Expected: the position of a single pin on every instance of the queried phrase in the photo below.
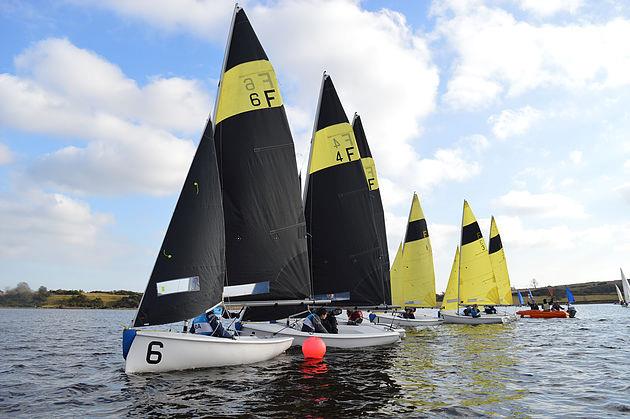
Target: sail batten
(264, 220)
(347, 256)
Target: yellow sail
(450, 296)
(477, 284)
(499, 265)
(396, 279)
(417, 276)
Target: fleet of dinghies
(244, 236)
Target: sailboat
(619, 295)
(626, 289)
(413, 278)
(346, 255)
(499, 265)
(187, 279)
(476, 283)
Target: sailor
(490, 310)
(545, 305)
(408, 314)
(556, 306)
(474, 311)
(355, 316)
(467, 311)
(207, 324)
(330, 321)
(313, 322)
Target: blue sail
(530, 293)
(520, 298)
(570, 296)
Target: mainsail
(477, 284)
(265, 230)
(345, 251)
(450, 300)
(499, 265)
(188, 274)
(371, 177)
(621, 300)
(416, 278)
(625, 287)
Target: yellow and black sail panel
(499, 265)
(264, 219)
(333, 141)
(369, 167)
(348, 255)
(477, 284)
(450, 300)
(417, 265)
(248, 82)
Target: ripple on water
(529, 368)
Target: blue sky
(519, 106)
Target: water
(68, 363)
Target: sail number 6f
(269, 92)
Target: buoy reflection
(313, 367)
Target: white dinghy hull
(348, 336)
(155, 351)
(419, 321)
(454, 318)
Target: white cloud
(129, 131)
(43, 226)
(546, 205)
(498, 55)
(446, 164)
(476, 142)
(624, 191)
(546, 8)
(6, 156)
(510, 122)
(576, 157)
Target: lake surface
(69, 363)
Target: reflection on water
(533, 367)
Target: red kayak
(539, 314)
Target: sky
(521, 107)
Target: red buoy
(314, 347)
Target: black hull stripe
(416, 230)
(495, 244)
(471, 233)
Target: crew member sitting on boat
(474, 311)
(556, 306)
(545, 305)
(207, 324)
(408, 314)
(533, 305)
(490, 310)
(313, 322)
(355, 316)
(330, 321)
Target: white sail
(625, 287)
(619, 294)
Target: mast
(266, 250)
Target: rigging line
(288, 325)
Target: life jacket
(206, 324)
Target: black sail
(189, 271)
(344, 246)
(264, 220)
(378, 215)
